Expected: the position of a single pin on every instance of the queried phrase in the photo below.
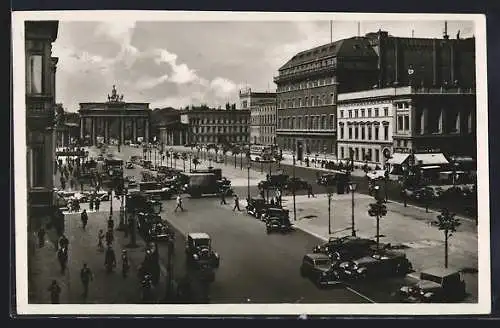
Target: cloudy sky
(181, 63)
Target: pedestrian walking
(81, 184)
(179, 204)
(109, 237)
(278, 196)
(86, 277)
(125, 263)
(236, 203)
(41, 237)
(110, 259)
(223, 197)
(55, 291)
(91, 203)
(84, 218)
(100, 237)
(310, 191)
(63, 182)
(97, 203)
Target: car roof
(199, 235)
(366, 259)
(317, 256)
(440, 272)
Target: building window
(377, 155)
(342, 133)
(38, 166)
(356, 132)
(362, 112)
(341, 152)
(355, 113)
(369, 155)
(357, 153)
(386, 132)
(369, 127)
(332, 122)
(407, 123)
(376, 133)
(362, 133)
(376, 112)
(332, 99)
(323, 122)
(350, 132)
(386, 111)
(35, 74)
(369, 112)
(341, 113)
(300, 102)
(350, 114)
(400, 122)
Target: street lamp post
(190, 162)
(248, 181)
(352, 187)
(171, 157)
(241, 160)
(293, 189)
(329, 212)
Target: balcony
(302, 74)
(40, 111)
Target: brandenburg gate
(114, 119)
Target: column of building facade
(134, 129)
(423, 121)
(92, 134)
(121, 130)
(82, 126)
(146, 129)
(106, 132)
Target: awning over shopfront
(398, 158)
(431, 159)
(432, 167)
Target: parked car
(377, 265)
(297, 184)
(436, 285)
(376, 175)
(199, 251)
(256, 207)
(275, 212)
(320, 269)
(129, 165)
(153, 228)
(278, 224)
(346, 248)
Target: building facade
(262, 115)
(215, 126)
(378, 124)
(307, 85)
(40, 116)
(366, 125)
(114, 119)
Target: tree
(426, 195)
(236, 152)
(378, 210)
(176, 157)
(225, 150)
(184, 158)
(448, 223)
(196, 162)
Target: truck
(155, 190)
(198, 184)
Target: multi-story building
(262, 106)
(365, 125)
(218, 126)
(40, 116)
(378, 125)
(307, 84)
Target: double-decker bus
(261, 153)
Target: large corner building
(262, 107)
(309, 84)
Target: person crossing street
(236, 203)
(179, 204)
(84, 218)
(55, 292)
(100, 238)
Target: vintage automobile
(275, 212)
(129, 165)
(256, 207)
(278, 223)
(153, 228)
(376, 265)
(436, 285)
(199, 251)
(320, 269)
(297, 183)
(346, 248)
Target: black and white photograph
(250, 163)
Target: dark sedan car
(346, 248)
(320, 269)
(377, 265)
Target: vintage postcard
(250, 163)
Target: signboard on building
(184, 119)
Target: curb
(430, 210)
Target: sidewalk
(423, 243)
(105, 288)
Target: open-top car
(436, 285)
(199, 251)
(278, 223)
(346, 248)
(153, 228)
(377, 265)
(320, 269)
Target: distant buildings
(311, 82)
(40, 117)
(262, 106)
